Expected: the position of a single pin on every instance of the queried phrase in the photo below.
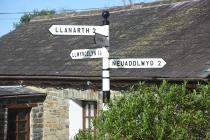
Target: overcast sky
(12, 7)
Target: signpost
(137, 63)
(78, 30)
(89, 53)
(105, 61)
(101, 34)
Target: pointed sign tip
(164, 62)
(51, 29)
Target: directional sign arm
(137, 63)
(78, 30)
(89, 53)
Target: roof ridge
(116, 9)
(95, 12)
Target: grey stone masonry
(89, 94)
(36, 122)
(56, 122)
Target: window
(89, 116)
(18, 124)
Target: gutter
(117, 83)
(97, 78)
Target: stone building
(46, 95)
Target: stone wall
(36, 122)
(55, 117)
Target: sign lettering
(89, 53)
(78, 30)
(137, 63)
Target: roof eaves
(14, 92)
(96, 78)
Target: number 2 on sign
(94, 30)
(159, 63)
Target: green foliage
(83, 135)
(169, 112)
(27, 17)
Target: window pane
(92, 110)
(21, 115)
(86, 110)
(21, 126)
(89, 116)
(21, 136)
(92, 123)
(86, 123)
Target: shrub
(28, 16)
(168, 111)
(83, 135)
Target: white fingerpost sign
(89, 53)
(137, 63)
(78, 30)
(101, 34)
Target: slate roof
(178, 32)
